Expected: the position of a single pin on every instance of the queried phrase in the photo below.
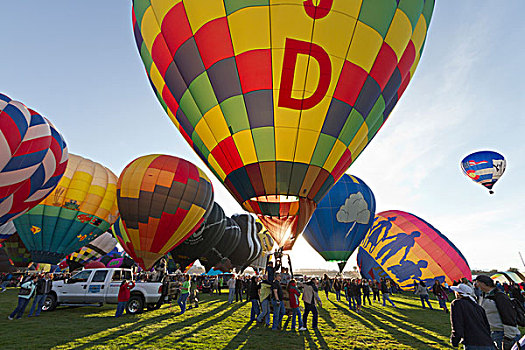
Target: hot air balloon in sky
(484, 167)
(203, 240)
(409, 249)
(162, 200)
(279, 98)
(80, 208)
(33, 158)
(341, 219)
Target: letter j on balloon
(279, 98)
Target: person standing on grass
(265, 293)
(294, 294)
(193, 297)
(43, 287)
(441, 294)
(27, 289)
(357, 295)
(124, 294)
(365, 287)
(337, 288)
(278, 302)
(375, 290)
(238, 289)
(231, 289)
(500, 312)
(184, 293)
(253, 294)
(326, 285)
(385, 290)
(421, 290)
(468, 321)
(310, 298)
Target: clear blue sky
(77, 64)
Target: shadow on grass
(355, 316)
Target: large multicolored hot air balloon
(409, 249)
(33, 158)
(368, 267)
(484, 167)
(279, 98)
(97, 248)
(342, 219)
(162, 200)
(202, 240)
(80, 208)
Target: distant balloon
(226, 246)
(162, 200)
(97, 248)
(17, 251)
(7, 230)
(203, 240)
(484, 167)
(279, 98)
(80, 208)
(409, 249)
(369, 268)
(342, 219)
(33, 158)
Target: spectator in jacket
(468, 321)
(27, 289)
(421, 290)
(310, 298)
(500, 313)
(238, 289)
(326, 285)
(337, 288)
(441, 295)
(43, 287)
(253, 294)
(231, 288)
(375, 290)
(124, 293)
(365, 287)
(265, 294)
(294, 294)
(385, 290)
(278, 302)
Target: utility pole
(523, 262)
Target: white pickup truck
(100, 286)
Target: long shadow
(325, 315)
(311, 342)
(400, 336)
(190, 321)
(362, 320)
(153, 320)
(240, 338)
(321, 340)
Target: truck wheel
(50, 303)
(135, 305)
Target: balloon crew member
(253, 294)
(265, 295)
(468, 321)
(43, 287)
(310, 298)
(500, 312)
(385, 290)
(184, 293)
(124, 294)
(441, 295)
(294, 294)
(278, 302)
(27, 290)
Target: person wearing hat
(468, 321)
(500, 313)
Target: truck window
(100, 276)
(82, 276)
(127, 275)
(116, 276)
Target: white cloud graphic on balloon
(354, 210)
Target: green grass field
(217, 325)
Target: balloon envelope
(33, 158)
(80, 208)
(342, 219)
(409, 249)
(97, 248)
(203, 240)
(17, 251)
(7, 230)
(162, 200)
(225, 247)
(368, 267)
(279, 98)
(249, 246)
(484, 167)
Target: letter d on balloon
(292, 49)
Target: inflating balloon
(484, 167)
(17, 251)
(409, 249)
(162, 200)
(342, 219)
(97, 248)
(249, 247)
(7, 230)
(80, 208)
(368, 267)
(279, 98)
(203, 240)
(33, 158)
(226, 246)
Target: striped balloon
(97, 248)
(33, 158)
(7, 230)
(80, 208)
(162, 200)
